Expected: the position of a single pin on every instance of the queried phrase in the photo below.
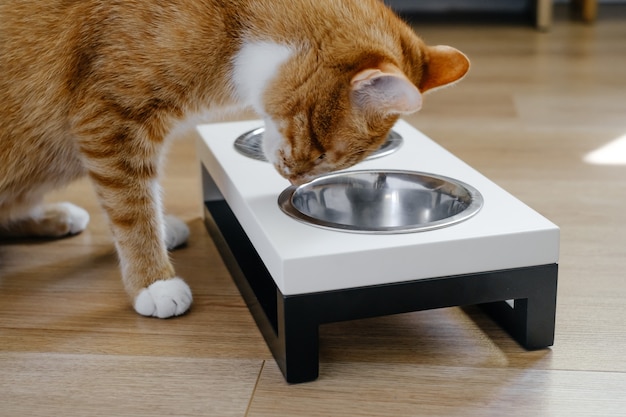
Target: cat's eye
(321, 157)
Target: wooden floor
(532, 110)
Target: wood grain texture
(533, 106)
(405, 390)
(93, 385)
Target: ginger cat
(96, 87)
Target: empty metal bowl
(381, 202)
(250, 144)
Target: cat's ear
(446, 66)
(385, 89)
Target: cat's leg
(46, 220)
(156, 300)
(125, 176)
(142, 237)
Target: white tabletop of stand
(302, 259)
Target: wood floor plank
(101, 385)
(403, 390)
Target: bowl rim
(392, 143)
(285, 202)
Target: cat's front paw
(164, 298)
(176, 232)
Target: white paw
(60, 219)
(176, 232)
(164, 298)
(77, 217)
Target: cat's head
(321, 119)
(327, 107)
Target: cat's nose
(299, 180)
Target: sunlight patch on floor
(613, 153)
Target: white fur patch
(272, 141)
(255, 65)
(176, 232)
(164, 298)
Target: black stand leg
(531, 320)
(290, 333)
(300, 338)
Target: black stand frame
(290, 324)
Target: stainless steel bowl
(250, 144)
(381, 202)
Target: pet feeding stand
(503, 259)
